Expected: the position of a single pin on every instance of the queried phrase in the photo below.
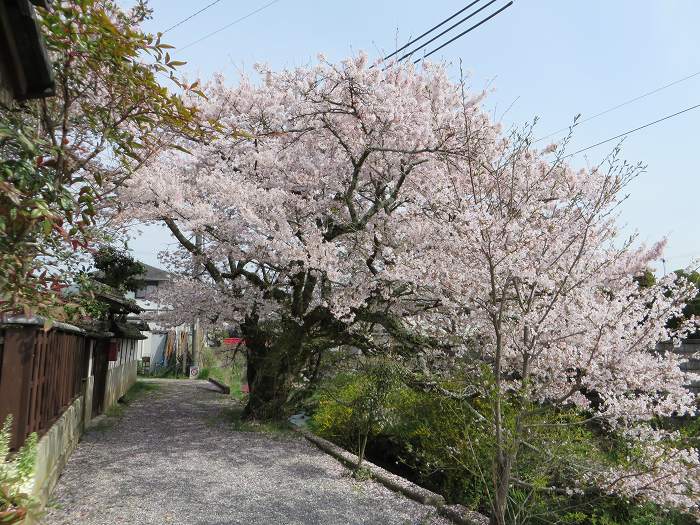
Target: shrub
(16, 477)
(445, 446)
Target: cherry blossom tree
(380, 207)
(296, 203)
(534, 280)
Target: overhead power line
(431, 30)
(465, 32)
(622, 104)
(237, 20)
(446, 31)
(191, 16)
(633, 130)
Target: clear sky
(546, 58)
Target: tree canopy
(62, 158)
(379, 207)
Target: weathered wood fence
(41, 375)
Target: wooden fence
(41, 374)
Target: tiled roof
(154, 274)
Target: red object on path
(233, 340)
(245, 388)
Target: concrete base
(54, 449)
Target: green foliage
(83, 303)
(16, 477)
(62, 158)
(33, 205)
(203, 373)
(360, 405)
(232, 376)
(119, 269)
(606, 510)
(646, 279)
(446, 445)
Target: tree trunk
(501, 475)
(276, 357)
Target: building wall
(153, 347)
(121, 374)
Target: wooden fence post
(17, 359)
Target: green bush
(16, 477)
(444, 444)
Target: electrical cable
(431, 30)
(622, 104)
(445, 31)
(465, 32)
(191, 16)
(633, 130)
(230, 24)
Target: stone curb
(222, 387)
(397, 483)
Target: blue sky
(546, 58)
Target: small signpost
(194, 372)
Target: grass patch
(138, 390)
(103, 425)
(115, 411)
(233, 377)
(233, 417)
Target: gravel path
(172, 459)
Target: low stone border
(456, 513)
(222, 387)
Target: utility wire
(191, 16)
(230, 24)
(633, 130)
(446, 31)
(622, 104)
(431, 30)
(467, 31)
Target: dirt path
(173, 459)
